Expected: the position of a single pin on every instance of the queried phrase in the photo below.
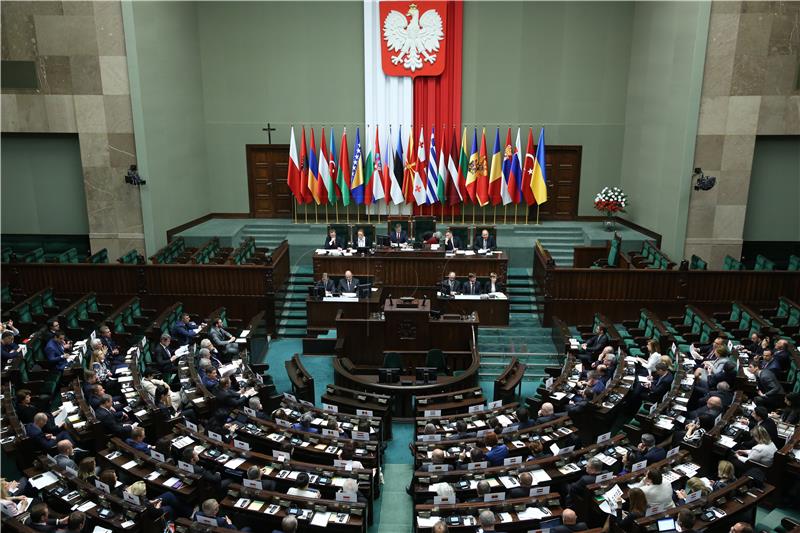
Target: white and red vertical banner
(412, 69)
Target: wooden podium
(407, 325)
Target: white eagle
(415, 38)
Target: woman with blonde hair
(631, 510)
(12, 505)
(667, 360)
(693, 484)
(87, 469)
(98, 365)
(764, 450)
(725, 475)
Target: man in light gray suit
(64, 457)
(223, 341)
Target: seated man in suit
(484, 241)
(595, 345)
(398, 236)
(210, 509)
(451, 242)
(113, 355)
(662, 382)
(569, 521)
(648, 451)
(55, 353)
(493, 285)
(163, 358)
(185, 331)
(451, 285)
(524, 489)
(111, 419)
(136, 440)
(782, 356)
(545, 414)
(65, 453)
(44, 441)
(332, 242)
(349, 283)
(487, 520)
(40, 519)
(770, 390)
(223, 340)
(361, 240)
(471, 286)
(191, 457)
(10, 348)
(228, 399)
(326, 283)
(593, 468)
(288, 525)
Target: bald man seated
(569, 522)
(524, 489)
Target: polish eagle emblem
(415, 40)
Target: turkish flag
(412, 38)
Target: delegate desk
(322, 312)
(411, 268)
(493, 310)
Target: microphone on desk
(390, 299)
(424, 299)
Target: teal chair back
(424, 227)
(462, 234)
(392, 360)
(435, 359)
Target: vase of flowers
(610, 201)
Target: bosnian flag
(433, 175)
(420, 196)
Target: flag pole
(336, 207)
(316, 214)
(305, 213)
(295, 210)
(505, 215)
(495, 215)
(326, 214)
(527, 212)
(537, 214)
(516, 207)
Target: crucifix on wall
(269, 129)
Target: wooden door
(267, 166)
(563, 173)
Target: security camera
(132, 177)
(703, 183)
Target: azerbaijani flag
(343, 178)
(505, 184)
(313, 170)
(538, 178)
(333, 191)
(473, 169)
(357, 172)
(527, 171)
(483, 180)
(324, 178)
(496, 171)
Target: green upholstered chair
(462, 234)
(612, 261)
(732, 264)
(369, 232)
(435, 359)
(343, 231)
(696, 263)
(762, 263)
(423, 228)
(405, 225)
(794, 262)
(392, 360)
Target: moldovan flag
(454, 195)
(473, 168)
(357, 172)
(496, 171)
(409, 169)
(505, 185)
(343, 178)
(305, 193)
(377, 170)
(324, 178)
(483, 180)
(396, 175)
(538, 178)
(527, 171)
(313, 170)
(293, 177)
(420, 196)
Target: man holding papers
(349, 283)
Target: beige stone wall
(79, 49)
(750, 87)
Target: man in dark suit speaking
(349, 283)
(484, 242)
(398, 236)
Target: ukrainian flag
(538, 179)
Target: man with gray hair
(350, 486)
(545, 414)
(439, 527)
(481, 489)
(110, 419)
(648, 451)
(445, 490)
(65, 452)
(288, 525)
(486, 520)
(594, 467)
(163, 358)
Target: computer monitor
(388, 375)
(667, 524)
(364, 290)
(382, 240)
(426, 374)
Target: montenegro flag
(539, 179)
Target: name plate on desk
(495, 404)
(655, 509)
(364, 412)
(641, 465)
(250, 412)
(283, 422)
(673, 451)
(330, 408)
(494, 497)
(360, 435)
(206, 520)
(429, 438)
(346, 497)
(191, 425)
(604, 437)
(540, 491)
(102, 486)
(130, 498)
(604, 477)
(476, 408)
(281, 456)
(474, 466)
(432, 412)
(186, 467)
(252, 484)
(449, 499)
(513, 460)
(329, 432)
(694, 496)
(157, 456)
(241, 445)
(215, 436)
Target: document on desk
(423, 522)
(43, 480)
(86, 506)
(509, 482)
(728, 442)
(320, 518)
(235, 463)
(531, 513)
(129, 465)
(539, 476)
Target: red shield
(412, 38)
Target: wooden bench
(301, 379)
(506, 383)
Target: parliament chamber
(265, 267)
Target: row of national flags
(423, 174)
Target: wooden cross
(269, 129)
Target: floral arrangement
(611, 200)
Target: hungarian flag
(377, 170)
(473, 169)
(527, 171)
(342, 177)
(482, 191)
(496, 172)
(515, 180)
(313, 170)
(396, 177)
(324, 179)
(505, 185)
(454, 195)
(409, 169)
(420, 188)
(357, 172)
(333, 192)
(293, 177)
